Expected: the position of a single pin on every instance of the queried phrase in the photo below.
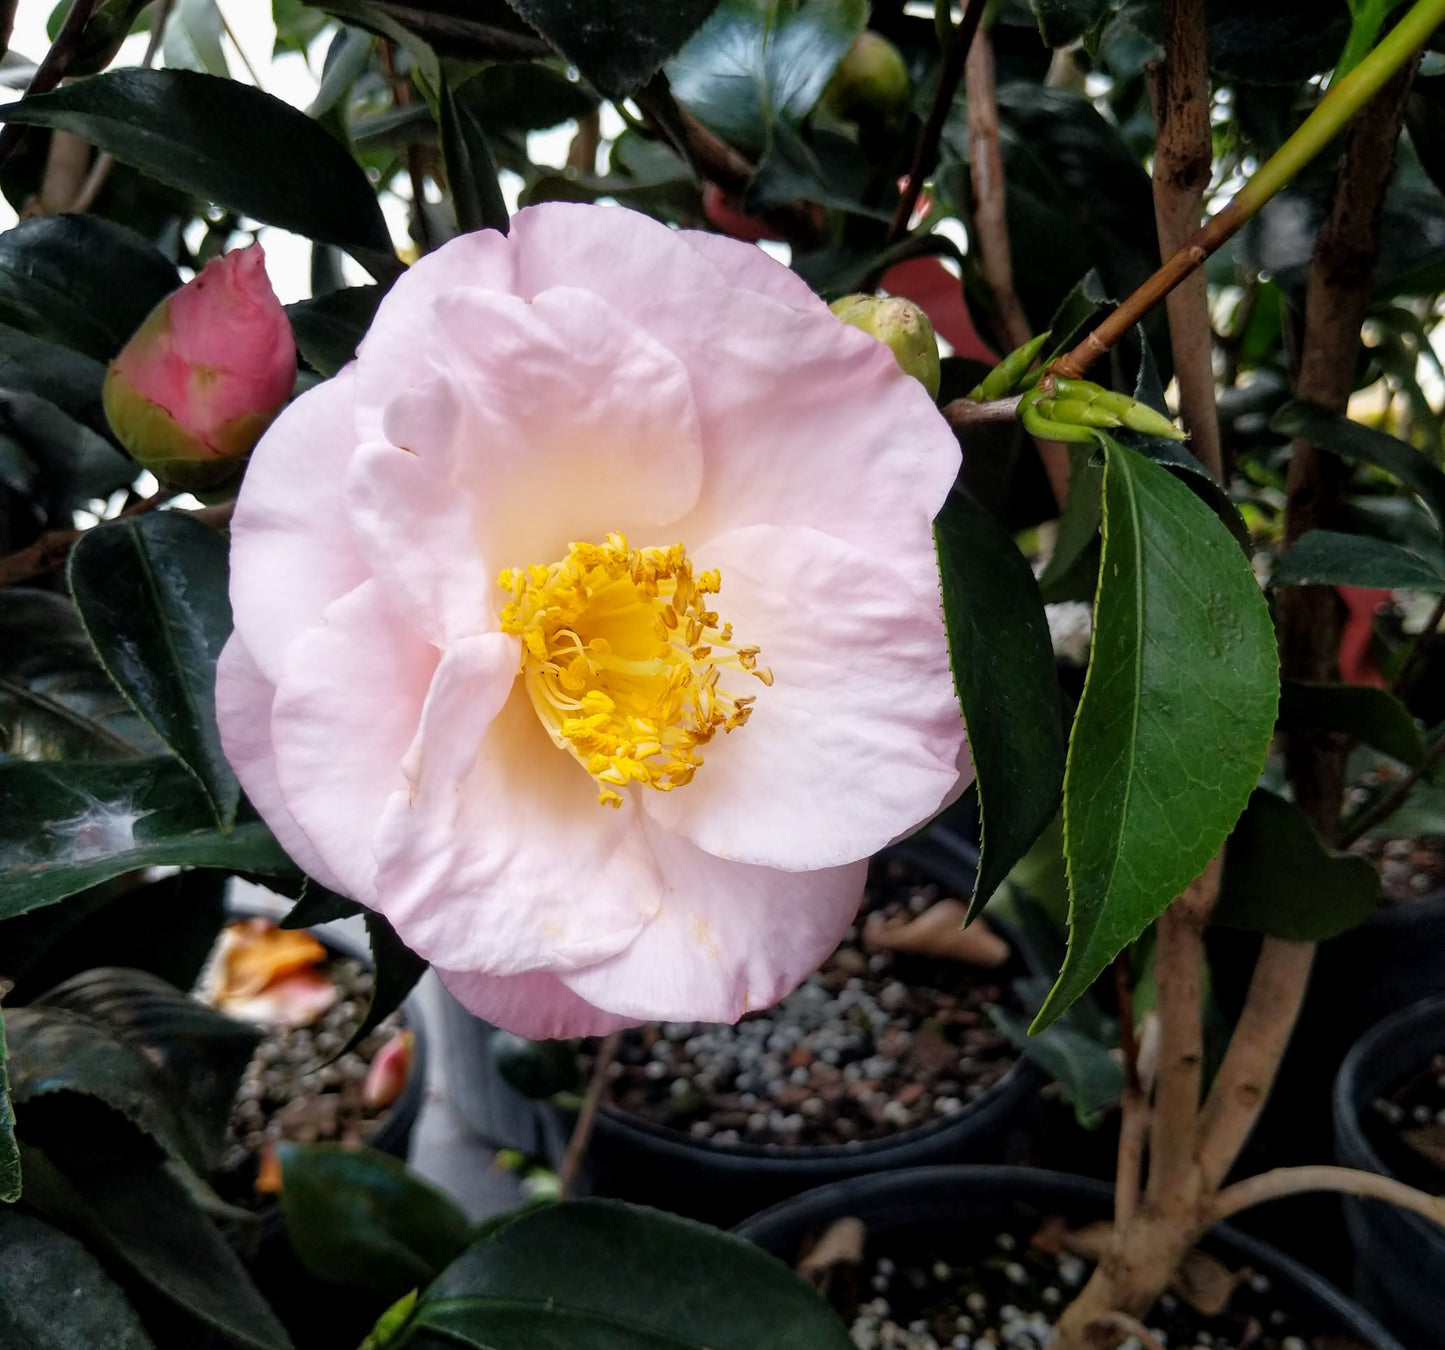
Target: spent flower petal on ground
(588, 624)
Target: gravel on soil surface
(874, 1043)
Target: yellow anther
(623, 661)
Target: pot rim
(955, 860)
(1348, 1126)
(822, 1202)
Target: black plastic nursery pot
(720, 1183)
(1399, 1256)
(319, 1314)
(393, 1133)
(910, 1205)
(1389, 962)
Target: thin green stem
(1334, 110)
(1344, 99)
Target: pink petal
(730, 939)
(243, 708)
(538, 1005)
(346, 710)
(858, 739)
(808, 421)
(748, 267)
(621, 256)
(292, 551)
(497, 857)
(543, 422)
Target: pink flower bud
(205, 374)
(388, 1072)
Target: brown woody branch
(51, 69)
(925, 154)
(1173, 1176)
(990, 228)
(1284, 1181)
(586, 1118)
(1183, 159)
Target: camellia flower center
(623, 660)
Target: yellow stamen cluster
(622, 659)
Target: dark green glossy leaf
(56, 702)
(617, 44)
(1280, 879)
(1078, 199)
(70, 826)
(1072, 570)
(143, 1220)
(317, 905)
(1089, 1076)
(329, 328)
(81, 281)
(152, 594)
(599, 1275)
(9, 1154)
(1176, 716)
(196, 1055)
(537, 1069)
(56, 462)
(54, 1295)
(1371, 716)
(57, 1050)
(756, 61)
(396, 970)
(220, 139)
(192, 38)
(1003, 665)
(1330, 558)
(1365, 445)
(363, 1218)
(1277, 43)
(116, 924)
(54, 373)
(524, 96)
(471, 166)
(1064, 21)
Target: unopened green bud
(901, 327)
(871, 80)
(1004, 378)
(1129, 412)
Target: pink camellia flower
(588, 624)
(205, 374)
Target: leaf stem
(51, 68)
(926, 151)
(1329, 118)
(1382, 809)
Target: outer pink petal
(730, 938)
(346, 710)
(538, 1005)
(858, 739)
(548, 421)
(747, 266)
(497, 857)
(292, 552)
(416, 518)
(243, 708)
(621, 256)
(808, 421)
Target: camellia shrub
(583, 578)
